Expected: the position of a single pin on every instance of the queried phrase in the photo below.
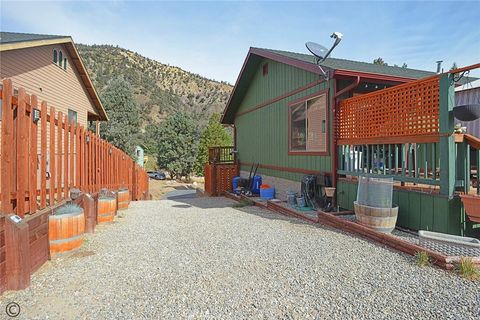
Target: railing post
(447, 142)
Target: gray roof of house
(11, 37)
(343, 64)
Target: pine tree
(123, 127)
(214, 135)
(177, 145)
(380, 62)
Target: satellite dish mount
(321, 53)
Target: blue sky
(212, 38)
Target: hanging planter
(471, 204)
(468, 112)
(65, 229)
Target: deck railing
(222, 155)
(403, 113)
(406, 132)
(44, 155)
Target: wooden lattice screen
(405, 112)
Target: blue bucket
(235, 181)
(267, 194)
(257, 181)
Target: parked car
(156, 175)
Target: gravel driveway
(201, 258)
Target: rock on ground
(201, 258)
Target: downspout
(334, 125)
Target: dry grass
(422, 259)
(158, 188)
(467, 269)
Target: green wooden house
(285, 117)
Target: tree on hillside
(177, 144)
(380, 62)
(123, 128)
(214, 135)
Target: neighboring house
(50, 67)
(140, 156)
(282, 111)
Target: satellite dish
(316, 49)
(322, 53)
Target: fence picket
(59, 156)
(53, 171)
(43, 155)
(33, 156)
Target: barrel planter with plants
(123, 198)
(66, 228)
(107, 208)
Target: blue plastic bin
(257, 181)
(267, 194)
(235, 181)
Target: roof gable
(308, 63)
(15, 41)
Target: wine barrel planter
(123, 199)
(65, 231)
(379, 219)
(107, 208)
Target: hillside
(159, 89)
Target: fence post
(447, 142)
(22, 151)
(17, 258)
(7, 152)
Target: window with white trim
(308, 125)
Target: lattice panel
(410, 109)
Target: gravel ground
(200, 258)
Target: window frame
(55, 56)
(305, 99)
(76, 116)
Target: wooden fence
(44, 155)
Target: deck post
(447, 143)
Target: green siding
(419, 211)
(262, 135)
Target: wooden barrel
(123, 199)
(379, 219)
(65, 231)
(106, 209)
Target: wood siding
(33, 68)
(262, 135)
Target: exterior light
(35, 115)
(87, 139)
(110, 151)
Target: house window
(60, 58)
(265, 69)
(55, 58)
(72, 116)
(64, 63)
(308, 125)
